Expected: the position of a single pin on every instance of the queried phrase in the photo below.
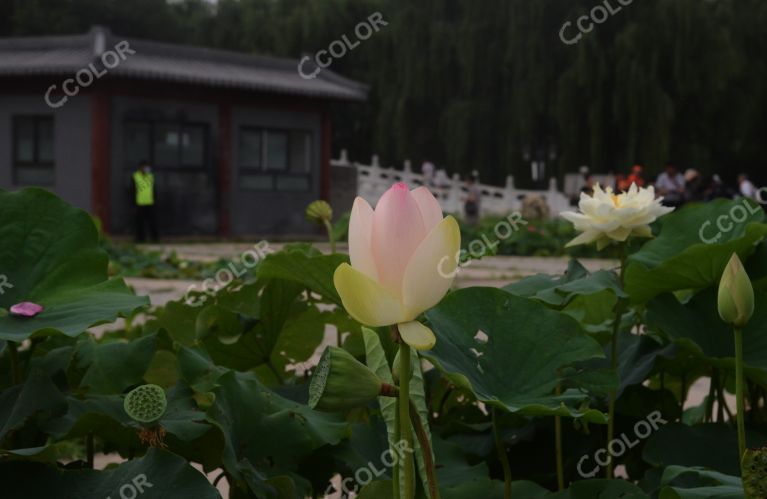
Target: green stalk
(502, 456)
(329, 229)
(406, 432)
(395, 473)
(15, 367)
(89, 449)
(558, 448)
(426, 451)
(614, 364)
(739, 392)
(611, 402)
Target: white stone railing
(373, 180)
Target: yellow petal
(431, 269)
(643, 231)
(417, 335)
(365, 299)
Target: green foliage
(235, 371)
(516, 372)
(50, 256)
(157, 474)
(535, 238)
(687, 254)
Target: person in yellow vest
(143, 185)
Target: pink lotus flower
(402, 261)
(26, 309)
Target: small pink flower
(26, 309)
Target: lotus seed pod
(755, 473)
(319, 212)
(341, 382)
(146, 403)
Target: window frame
(273, 174)
(16, 163)
(154, 124)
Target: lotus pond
(305, 377)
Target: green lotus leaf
(687, 255)
(510, 351)
(50, 255)
(158, 474)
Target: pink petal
(26, 309)
(431, 211)
(360, 236)
(398, 229)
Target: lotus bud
(736, 295)
(319, 212)
(754, 468)
(341, 382)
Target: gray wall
(72, 144)
(252, 212)
(257, 212)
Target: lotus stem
(558, 448)
(395, 473)
(502, 456)
(614, 362)
(423, 440)
(741, 420)
(89, 449)
(331, 239)
(406, 432)
(219, 477)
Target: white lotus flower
(606, 217)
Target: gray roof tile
(65, 55)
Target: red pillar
(101, 134)
(224, 166)
(325, 157)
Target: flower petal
(26, 309)
(417, 335)
(431, 211)
(432, 268)
(398, 229)
(360, 238)
(586, 237)
(366, 300)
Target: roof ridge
(100, 39)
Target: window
(270, 159)
(250, 149)
(165, 144)
(33, 156)
(179, 145)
